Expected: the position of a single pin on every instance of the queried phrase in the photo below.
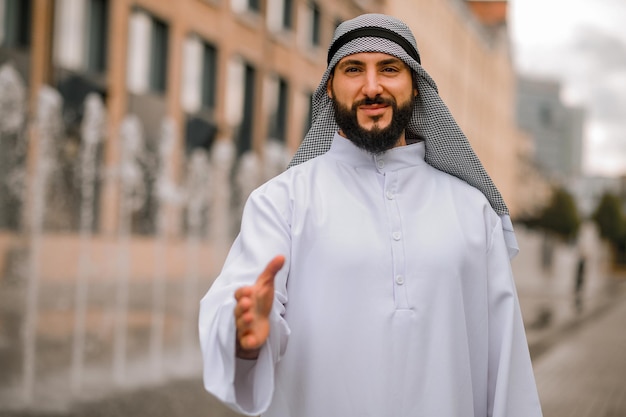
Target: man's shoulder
(290, 176)
(459, 185)
(467, 197)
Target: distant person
(366, 280)
(579, 283)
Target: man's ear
(415, 92)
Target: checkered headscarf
(447, 148)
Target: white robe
(396, 298)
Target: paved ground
(585, 374)
(582, 375)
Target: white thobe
(396, 298)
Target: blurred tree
(560, 216)
(609, 218)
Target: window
(243, 6)
(315, 24)
(147, 54)
(240, 102)
(309, 27)
(280, 15)
(98, 22)
(209, 76)
(198, 90)
(545, 115)
(16, 23)
(288, 14)
(158, 61)
(244, 134)
(80, 35)
(254, 5)
(278, 94)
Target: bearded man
(372, 278)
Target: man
(366, 281)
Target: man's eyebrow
(350, 62)
(390, 61)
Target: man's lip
(373, 108)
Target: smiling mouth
(374, 109)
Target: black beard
(375, 140)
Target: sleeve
(512, 391)
(246, 386)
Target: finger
(249, 341)
(243, 292)
(246, 320)
(272, 268)
(245, 323)
(243, 305)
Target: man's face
(372, 95)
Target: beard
(375, 140)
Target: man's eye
(352, 69)
(390, 69)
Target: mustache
(368, 101)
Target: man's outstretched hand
(254, 304)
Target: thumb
(272, 268)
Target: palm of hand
(254, 305)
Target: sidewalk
(581, 373)
(584, 375)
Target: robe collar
(392, 160)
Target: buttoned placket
(396, 238)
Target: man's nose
(372, 86)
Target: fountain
(132, 198)
(167, 196)
(222, 157)
(275, 160)
(92, 131)
(12, 143)
(72, 315)
(48, 126)
(198, 196)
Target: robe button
(399, 280)
(396, 235)
(389, 195)
(380, 164)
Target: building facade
(557, 129)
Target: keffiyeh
(447, 148)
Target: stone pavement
(584, 375)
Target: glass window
(278, 116)
(315, 25)
(545, 115)
(246, 127)
(209, 76)
(246, 6)
(254, 5)
(158, 59)
(17, 23)
(98, 22)
(287, 14)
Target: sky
(582, 44)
